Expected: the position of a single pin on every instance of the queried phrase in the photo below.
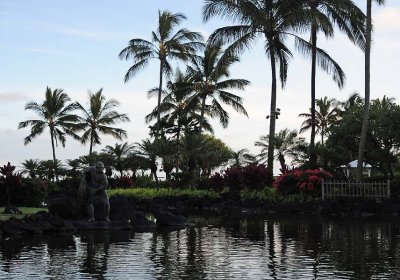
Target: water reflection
(274, 247)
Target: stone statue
(92, 188)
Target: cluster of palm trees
(57, 113)
(191, 97)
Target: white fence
(351, 189)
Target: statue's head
(99, 167)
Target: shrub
(145, 181)
(251, 177)
(124, 182)
(301, 181)
(217, 182)
(256, 176)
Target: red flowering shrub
(233, 178)
(300, 181)
(256, 176)
(251, 177)
(125, 182)
(217, 182)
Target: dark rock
(56, 221)
(69, 226)
(11, 209)
(139, 222)
(12, 227)
(65, 207)
(121, 209)
(168, 219)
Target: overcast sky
(74, 45)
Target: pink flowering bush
(301, 181)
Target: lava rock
(168, 219)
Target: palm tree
(164, 45)
(241, 157)
(364, 128)
(327, 114)
(273, 20)
(56, 114)
(119, 153)
(210, 73)
(148, 151)
(324, 15)
(32, 167)
(179, 109)
(75, 167)
(99, 118)
(286, 144)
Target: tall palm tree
(55, 113)
(364, 128)
(163, 46)
(286, 143)
(210, 78)
(327, 114)
(119, 153)
(274, 20)
(324, 16)
(99, 118)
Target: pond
(272, 247)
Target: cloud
(12, 96)
(387, 19)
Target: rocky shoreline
(65, 214)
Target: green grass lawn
(25, 211)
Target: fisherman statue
(93, 188)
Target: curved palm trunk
(364, 127)
(159, 98)
(272, 119)
(54, 154)
(313, 155)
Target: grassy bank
(149, 193)
(25, 211)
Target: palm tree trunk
(91, 143)
(364, 127)
(159, 98)
(272, 119)
(54, 153)
(313, 155)
(203, 108)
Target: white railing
(337, 188)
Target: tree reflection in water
(231, 247)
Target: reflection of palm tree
(56, 114)
(165, 45)
(208, 73)
(364, 128)
(325, 15)
(273, 20)
(327, 114)
(99, 118)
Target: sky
(74, 45)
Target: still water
(276, 247)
